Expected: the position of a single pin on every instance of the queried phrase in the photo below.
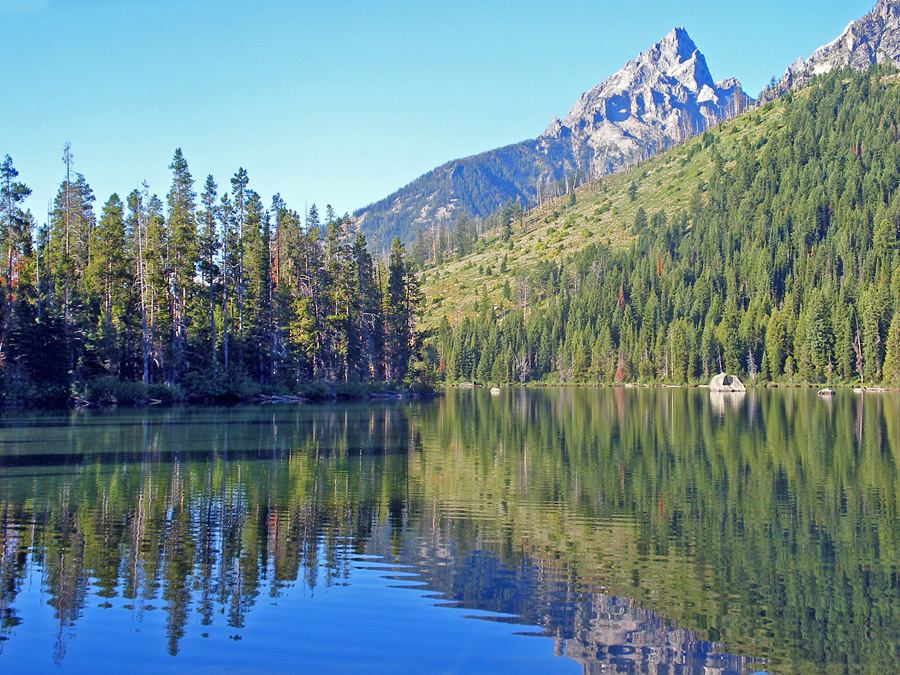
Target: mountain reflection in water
(641, 530)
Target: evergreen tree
(182, 229)
(16, 235)
(401, 299)
(208, 251)
(109, 280)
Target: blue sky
(337, 102)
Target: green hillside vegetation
(600, 212)
(767, 247)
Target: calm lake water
(553, 530)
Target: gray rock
(873, 38)
(723, 383)
(663, 96)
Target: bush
(166, 393)
(240, 387)
(111, 391)
(203, 386)
(20, 391)
(315, 391)
(419, 388)
(350, 391)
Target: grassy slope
(603, 212)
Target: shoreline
(879, 389)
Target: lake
(542, 530)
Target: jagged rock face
(663, 96)
(872, 39)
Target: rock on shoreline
(726, 383)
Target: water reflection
(641, 530)
(721, 401)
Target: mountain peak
(870, 39)
(676, 55)
(678, 42)
(662, 96)
(657, 99)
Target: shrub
(203, 386)
(315, 391)
(111, 391)
(166, 393)
(350, 391)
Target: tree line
(210, 295)
(783, 266)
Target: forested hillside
(210, 297)
(768, 247)
(771, 252)
(524, 172)
(656, 100)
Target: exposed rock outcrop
(656, 100)
(723, 383)
(874, 38)
(663, 96)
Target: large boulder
(726, 383)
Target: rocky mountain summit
(660, 98)
(872, 39)
(663, 96)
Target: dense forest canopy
(211, 295)
(783, 265)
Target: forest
(473, 187)
(782, 266)
(209, 297)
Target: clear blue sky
(337, 102)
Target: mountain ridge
(873, 38)
(658, 99)
(655, 100)
(664, 95)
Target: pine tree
(891, 368)
(158, 272)
(183, 251)
(400, 302)
(208, 250)
(239, 184)
(108, 279)
(229, 265)
(137, 223)
(15, 235)
(12, 220)
(257, 296)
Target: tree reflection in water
(638, 528)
